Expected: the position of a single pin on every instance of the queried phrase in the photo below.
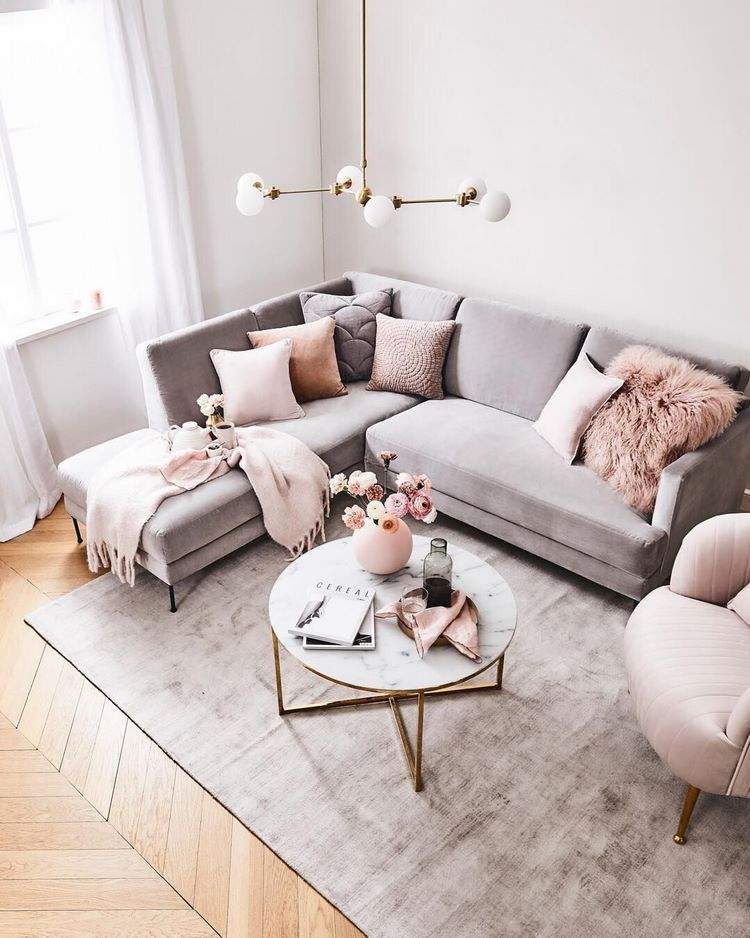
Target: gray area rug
(544, 811)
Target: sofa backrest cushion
(508, 358)
(286, 310)
(603, 344)
(176, 367)
(410, 300)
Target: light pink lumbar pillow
(256, 384)
(741, 604)
(665, 408)
(567, 414)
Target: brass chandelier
(378, 209)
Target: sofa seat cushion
(334, 428)
(498, 463)
(688, 663)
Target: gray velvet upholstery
(286, 310)
(488, 465)
(334, 428)
(603, 344)
(498, 463)
(410, 300)
(509, 358)
(176, 367)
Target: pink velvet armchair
(688, 662)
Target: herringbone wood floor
(100, 832)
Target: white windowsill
(56, 322)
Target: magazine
(364, 641)
(333, 612)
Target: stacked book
(337, 616)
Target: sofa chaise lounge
(488, 466)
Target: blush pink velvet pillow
(665, 408)
(256, 384)
(567, 414)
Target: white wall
(246, 76)
(620, 130)
(85, 384)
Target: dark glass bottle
(438, 573)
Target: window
(49, 256)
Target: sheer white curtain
(133, 210)
(28, 478)
(133, 177)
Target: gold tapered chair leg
(691, 796)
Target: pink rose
(353, 486)
(423, 482)
(389, 524)
(354, 517)
(420, 505)
(397, 504)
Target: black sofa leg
(77, 530)
(172, 604)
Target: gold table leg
(413, 757)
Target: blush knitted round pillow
(666, 407)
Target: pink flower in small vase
(423, 482)
(420, 506)
(397, 504)
(389, 524)
(354, 517)
(375, 493)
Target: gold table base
(413, 755)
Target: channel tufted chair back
(688, 661)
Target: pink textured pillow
(665, 408)
(256, 383)
(741, 604)
(409, 356)
(567, 414)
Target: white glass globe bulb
(248, 179)
(249, 200)
(474, 182)
(354, 173)
(495, 206)
(379, 211)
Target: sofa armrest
(738, 724)
(286, 310)
(699, 485)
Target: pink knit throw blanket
(290, 481)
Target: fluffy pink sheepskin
(666, 407)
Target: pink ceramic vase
(379, 551)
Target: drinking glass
(413, 601)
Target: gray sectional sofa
(488, 465)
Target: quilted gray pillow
(356, 326)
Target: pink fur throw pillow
(666, 407)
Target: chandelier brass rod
(363, 144)
(298, 191)
(425, 201)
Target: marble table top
(394, 663)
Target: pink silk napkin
(457, 622)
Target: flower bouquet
(212, 408)
(381, 541)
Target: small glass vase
(213, 419)
(438, 573)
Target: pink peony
(420, 506)
(354, 517)
(375, 493)
(423, 482)
(397, 504)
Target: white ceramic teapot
(188, 436)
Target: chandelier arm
(296, 191)
(459, 200)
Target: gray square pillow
(356, 326)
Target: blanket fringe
(103, 556)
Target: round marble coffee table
(393, 670)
